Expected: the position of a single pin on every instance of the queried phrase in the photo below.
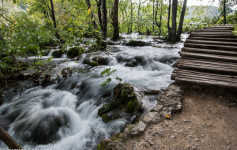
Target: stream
(63, 116)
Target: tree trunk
(54, 19)
(8, 140)
(168, 22)
(224, 12)
(158, 24)
(131, 17)
(98, 3)
(104, 22)
(115, 21)
(153, 13)
(138, 15)
(180, 28)
(174, 17)
(92, 14)
(2, 39)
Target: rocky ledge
(167, 105)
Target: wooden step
(208, 46)
(227, 35)
(209, 51)
(213, 68)
(214, 30)
(214, 39)
(206, 82)
(199, 73)
(211, 42)
(209, 56)
(212, 33)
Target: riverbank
(207, 121)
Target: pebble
(202, 135)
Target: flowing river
(63, 116)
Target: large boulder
(96, 60)
(75, 52)
(57, 54)
(124, 104)
(137, 43)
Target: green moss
(74, 84)
(57, 54)
(105, 118)
(100, 147)
(132, 106)
(94, 63)
(74, 52)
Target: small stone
(197, 139)
(140, 127)
(202, 135)
(172, 137)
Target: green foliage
(235, 30)
(108, 72)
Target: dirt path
(208, 121)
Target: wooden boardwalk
(209, 57)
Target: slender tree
(115, 21)
(159, 24)
(168, 22)
(54, 19)
(174, 17)
(131, 16)
(138, 16)
(224, 9)
(92, 14)
(180, 28)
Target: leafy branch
(109, 72)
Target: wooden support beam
(8, 140)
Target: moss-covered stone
(74, 52)
(94, 63)
(124, 104)
(57, 54)
(137, 43)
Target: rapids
(63, 116)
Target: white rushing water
(64, 116)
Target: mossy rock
(75, 52)
(137, 43)
(57, 54)
(124, 102)
(94, 63)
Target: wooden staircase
(209, 57)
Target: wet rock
(137, 43)
(101, 60)
(167, 59)
(57, 54)
(113, 42)
(124, 104)
(157, 108)
(96, 60)
(133, 63)
(108, 144)
(47, 80)
(66, 72)
(75, 52)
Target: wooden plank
(213, 30)
(208, 46)
(207, 69)
(212, 35)
(176, 71)
(206, 76)
(211, 42)
(214, 39)
(209, 56)
(226, 67)
(206, 82)
(210, 51)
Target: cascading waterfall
(63, 116)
